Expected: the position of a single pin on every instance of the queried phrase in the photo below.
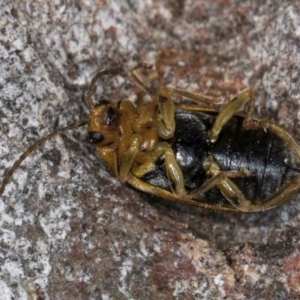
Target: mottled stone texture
(70, 230)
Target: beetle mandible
(191, 153)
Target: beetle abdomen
(269, 160)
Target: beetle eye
(102, 102)
(110, 116)
(94, 137)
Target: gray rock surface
(70, 230)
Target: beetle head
(102, 129)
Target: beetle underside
(244, 164)
(192, 154)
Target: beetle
(191, 153)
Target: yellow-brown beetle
(200, 156)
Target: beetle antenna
(92, 85)
(135, 78)
(33, 147)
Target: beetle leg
(128, 159)
(230, 109)
(163, 193)
(92, 85)
(233, 193)
(235, 196)
(221, 179)
(109, 156)
(280, 197)
(166, 124)
(170, 196)
(132, 74)
(146, 160)
(227, 112)
(285, 136)
(227, 187)
(173, 170)
(197, 97)
(217, 180)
